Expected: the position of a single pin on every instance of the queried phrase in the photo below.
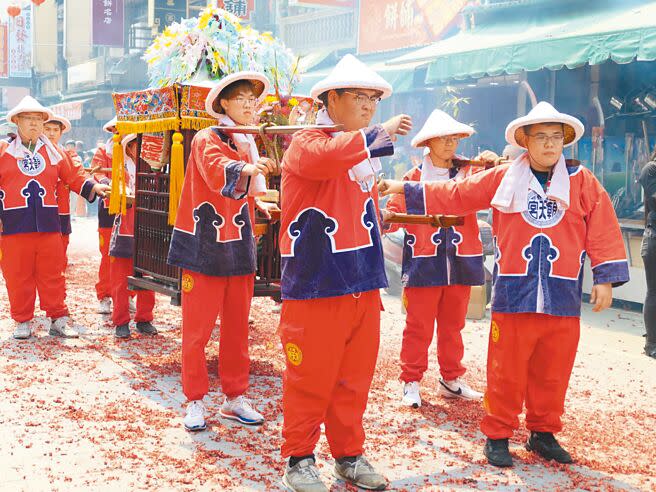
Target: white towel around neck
(429, 172)
(246, 144)
(366, 172)
(18, 150)
(512, 194)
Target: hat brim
(422, 140)
(572, 127)
(322, 87)
(259, 81)
(11, 115)
(63, 121)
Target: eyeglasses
(449, 139)
(31, 119)
(362, 99)
(251, 101)
(543, 138)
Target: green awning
(515, 43)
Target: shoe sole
(121, 337)
(22, 338)
(411, 405)
(529, 448)
(452, 396)
(339, 476)
(236, 418)
(195, 429)
(61, 335)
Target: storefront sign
(20, 44)
(108, 23)
(162, 13)
(387, 25)
(4, 52)
(71, 110)
(241, 8)
(327, 3)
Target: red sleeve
(221, 173)
(454, 197)
(316, 155)
(603, 242)
(75, 177)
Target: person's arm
(448, 197)
(76, 178)
(316, 155)
(603, 243)
(395, 204)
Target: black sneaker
(497, 453)
(122, 331)
(146, 328)
(545, 444)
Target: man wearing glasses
(439, 268)
(214, 245)
(547, 217)
(32, 251)
(332, 270)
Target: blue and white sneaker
(194, 421)
(241, 410)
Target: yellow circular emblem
(486, 404)
(494, 332)
(0, 255)
(187, 283)
(294, 354)
(112, 259)
(101, 240)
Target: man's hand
(489, 156)
(386, 214)
(263, 166)
(101, 189)
(601, 296)
(268, 209)
(398, 125)
(390, 187)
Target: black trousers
(648, 253)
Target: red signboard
(4, 52)
(241, 8)
(108, 21)
(387, 25)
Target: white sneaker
(360, 473)
(303, 477)
(411, 396)
(457, 388)
(132, 305)
(61, 327)
(241, 410)
(105, 306)
(23, 330)
(194, 421)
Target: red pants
(530, 358)
(331, 346)
(120, 269)
(426, 305)
(204, 298)
(103, 287)
(32, 262)
(65, 240)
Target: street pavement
(101, 414)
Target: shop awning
(532, 42)
(71, 109)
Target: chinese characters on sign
(4, 52)
(108, 22)
(241, 8)
(393, 24)
(20, 44)
(162, 13)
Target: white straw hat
(440, 124)
(65, 122)
(544, 112)
(259, 81)
(110, 124)
(29, 105)
(351, 73)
